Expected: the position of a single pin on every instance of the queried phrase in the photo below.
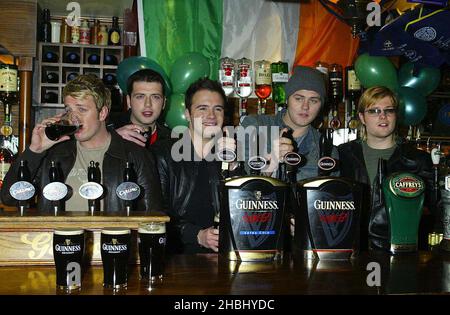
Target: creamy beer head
(116, 231)
(68, 231)
(152, 228)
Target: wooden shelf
(63, 69)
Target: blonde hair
(370, 97)
(89, 85)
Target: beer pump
(252, 214)
(92, 190)
(129, 190)
(327, 225)
(22, 190)
(56, 190)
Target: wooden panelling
(18, 21)
(27, 240)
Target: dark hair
(203, 84)
(145, 75)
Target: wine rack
(53, 63)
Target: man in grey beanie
(306, 94)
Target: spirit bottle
(226, 75)
(280, 76)
(353, 91)
(114, 32)
(263, 84)
(244, 83)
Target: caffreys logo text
(407, 185)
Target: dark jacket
(406, 158)
(119, 152)
(118, 120)
(177, 191)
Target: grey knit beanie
(306, 78)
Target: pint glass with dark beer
(68, 250)
(152, 242)
(115, 251)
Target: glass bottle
(8, 97)
(6, 159)
(263, 84)
(114, 32)
(353, 91)
(65, 32)
(94, 32)
(46, 30)
(72, 57)
(244, 83)
(280, 75)
(75, 34)
(226, 75)
(85, 32)
(102, 36)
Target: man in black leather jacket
(88, 101)
(378, 116)
(189, 177)
(146, 101)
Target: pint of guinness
(152, 243)
(115, 251)
(252, 218)
(68, 250)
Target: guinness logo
(67, 241)
(406, 185)
(114, 241)
(258, 195)
(257, 163)
(226, 156)
(326, 163)
(292, 158)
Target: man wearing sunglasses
(359, 158)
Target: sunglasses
(377, 111)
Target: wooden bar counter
(207, 274)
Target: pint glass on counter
(68, 250)
(115, 251)
(152, 242)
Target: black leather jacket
(177, 191)
(406, 158)
(119, 152)
(117, 120)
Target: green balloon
(373, 71)
(426, 80)
(175, 112)
(131, 65)
(188, 69)
(412, 106)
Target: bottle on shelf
(46, 28)
(51, 77)
(280, 75)
(6, 158)
(65, 32)
(102, 36)
(50, 97)
(263, 83)
(109, 79)
(110, 60)
(71, 76)
(94, 32)
(226, 75)
(353, 92)
(85, 33)
(114, 32)
(50, 56)
(75, 34)
(72, 57)
(8, 97)
(244, 83)
(94, 59)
